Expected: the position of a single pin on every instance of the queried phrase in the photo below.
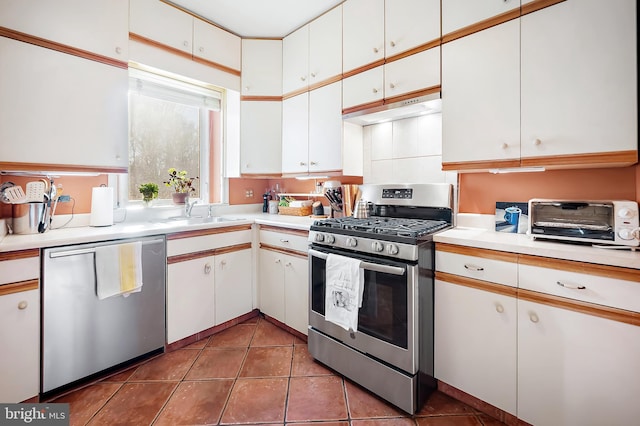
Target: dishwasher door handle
(90, 250)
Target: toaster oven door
(573, 220)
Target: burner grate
(412, 228)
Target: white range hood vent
(414, 107)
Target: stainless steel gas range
(391, 351)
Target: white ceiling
(258, 18)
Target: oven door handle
(375, 267)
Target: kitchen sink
(195, 220)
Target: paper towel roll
(101, 206)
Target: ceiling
(258, 18)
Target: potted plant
(182, 185)
(149, 191)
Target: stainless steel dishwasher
(83, 336)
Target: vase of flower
(181, 184)
(149, 192)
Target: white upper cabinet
(260, 137)
(363, 88)
(325, 128)
(100, 26)
(216, 45)
(458, 14)
(363, 33)
(295, 134)
(160, 22)
(415, 72)
(261, 67)
(579, 79)
(295, 60)
(325, 47)
(480, 96)
(410, 23)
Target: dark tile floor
(252, 373)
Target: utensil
(15, 194)
(35, 191)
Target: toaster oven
(599, 222)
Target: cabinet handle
(303, 78)
(282, 240)
(302, 163)
(533, 317)
(278, 261)
(288, 264)
(23, 305)
(392, 43)
(201, 49)
(223, 263)
(376, 50)
(375, 90)
(504, 145)
(499, 308)
(185, 43)
(569, 286)
(537, 142)
(471, 267)
(391, 85)
(207, 268)
(118, 50)
(313, 74)
(314, 163)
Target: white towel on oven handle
(344, 289)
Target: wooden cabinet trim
(593, 309)
(537, 5)
(261, 98)
(426, 46)
(363, 107)
(477, 284)
(477, 252)
(422, 92)
(19, 254)
(206, 253)
(216, 65)
(608, 159)
(38, 167)
(363, 68)
(616, 272)
(232, 249)
(281, 230)
(472, 166)
(290, 252)
(19, 287)
(326, 82)
(62, 48)
(208, 231)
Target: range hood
(413, 107)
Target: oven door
(387, 320)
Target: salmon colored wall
(478, 192)
(78, 187)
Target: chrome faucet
(188, 207)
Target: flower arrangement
(149, 191)
(180, 182)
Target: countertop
(523, 244)
(134, 229)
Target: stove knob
(330, 239)
(351, 242)
(319, 238)
(392, 249)
(377, 246)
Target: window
(173, 123)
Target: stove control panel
(365, 245)
(401, 193)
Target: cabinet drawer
(286, 239)
(19, 266)
(206, 242)
(586, 287)
(484, 265)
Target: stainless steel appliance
(82, 335)
(600, 222)
(391, 352)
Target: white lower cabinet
(233, 289)
(475, 342)
(20, 337)
(190, 297)
(576, 368)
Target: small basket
(295, 211)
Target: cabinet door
(570, 362)
(233, 289)
(216, 45)
(100, 26)
(475, 343)
(457, 14)
(415, 72)
(260, 137)
(295, 134)
(80, 108)
(190, 297)
(410, 23)
(261, 67)
(362, 33)
(20, 354)
(325, 128)
(271, 284)
(295, 60)
(579, 79)
(161, 22)
(363, 88)
(325, 46)
(480, 96)
(296, 293)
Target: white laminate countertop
(135, 229)
(521, 243)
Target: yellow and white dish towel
(118, 269)
(345, 285)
